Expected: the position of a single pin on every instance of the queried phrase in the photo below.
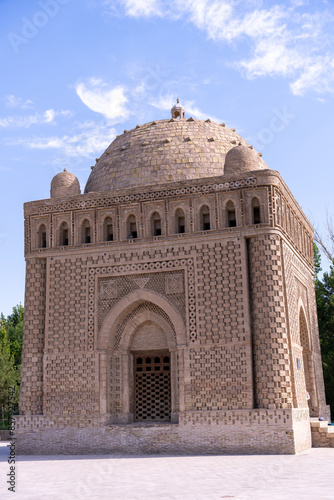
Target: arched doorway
(307, 362)
(142, 340)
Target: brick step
(322, 434)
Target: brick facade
(230, 303)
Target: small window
(85, 232)
(63, 234)
(108, 233)
(180, 221)
(42, 236)
(205, 218)
(156, 224)
(256, 211)
(132, 227)
(231, 217)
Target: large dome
(164, 151)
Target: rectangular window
(152, 387)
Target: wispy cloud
(27, 121)
(90, 139)
(143, 8)
(290, 38)
(105, 99)
(12, 101)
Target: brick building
(170, 308)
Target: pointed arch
(108, 229)
(108, 331)
(180, 221)
(132, 228)
(231, 220)
(156, 228)
(63, 234)
(205, 218)
(85, 231)
(174, 333)
(307, 358)
(42, 236)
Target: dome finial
(177, 110)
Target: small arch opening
(231, 216)
(180, 221)
(63, 234)
(42, 243)
(132, 227)
(205, 218)
(256, 211)
(108, 230)
(85, 232)
(156, 224)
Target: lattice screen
(152, 387)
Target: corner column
(31, 391)
(272, 374)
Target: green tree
(324, 291)
(9, 378)
(11, 332)
(14, 328)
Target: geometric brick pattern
(67, 304)
(186, 304)
(108, 199)
(31, 397)
(135, 312)
(270, 338)
(70, 386)
(221, 378)
(127, 284)
(220, 312)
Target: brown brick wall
(269, 324)
(31, 392)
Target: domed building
(170, 308)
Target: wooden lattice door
(152, 387)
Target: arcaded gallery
(170, 308)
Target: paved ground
(309, 475)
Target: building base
(197, 433)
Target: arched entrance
(142, 343)
(307, 360)
(152, 374)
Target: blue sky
(76, 73)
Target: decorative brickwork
(155, 281)
(270, 337)
(71, 385)
(31, 392)
(221, 378)
(66, 312)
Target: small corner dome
(64, 185)
(243, 159)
